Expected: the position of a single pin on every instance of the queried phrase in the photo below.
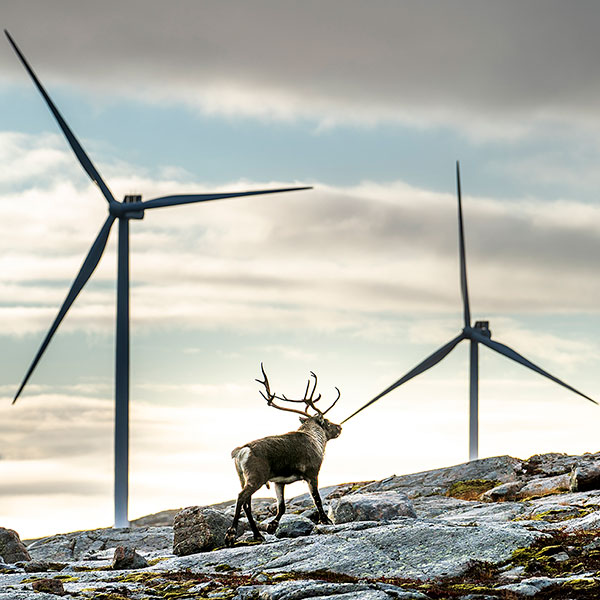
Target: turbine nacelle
(481, 328)
(130, 208)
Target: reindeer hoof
(325, 520)
(272, 526)
(259, 538)
(230, 537)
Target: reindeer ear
(303, 419)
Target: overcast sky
(357, 279)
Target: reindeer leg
(313, 486)
(243, 498)
(258, 537)
(274, 524)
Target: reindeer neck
(315, 432)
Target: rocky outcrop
(501, 469)
(101, 543)
(494, 528)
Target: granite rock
(293, 526)
(127, 558)
(382, 506)
(198, 529)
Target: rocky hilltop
(492, 528)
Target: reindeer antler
(309, 400)
(269, 397)
(335, 401)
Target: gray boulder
(382, 506)
(12, 549)
(198, 529)
(503, 492)
(585, 477)
(293, 526)
(544, 486)
(549, 465)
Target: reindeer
(284, 458)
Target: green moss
(138, 577)
(537, 559)
(469, 588)
(81, 569)
(470, 489)
(65, 578)
(581, 584)
(556, 515)
(283, 576)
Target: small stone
(198, 529)
(50, 586)
(512, 574)
(560, 557)
(127, 558)
(12, 549)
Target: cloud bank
(332, 258)
(489, 69)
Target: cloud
(486, 68)
(334, 258)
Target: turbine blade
(510, 353)
(89, 264)
(83, 158)
(429, 362)
(463, 259)
(190, 198)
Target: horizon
(357, 279)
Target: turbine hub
(128, 201)
(484, 328)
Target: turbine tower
(132, 207)
(477, 334)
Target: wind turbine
(132, 207)
(477, 334)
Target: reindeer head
(331, 429)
